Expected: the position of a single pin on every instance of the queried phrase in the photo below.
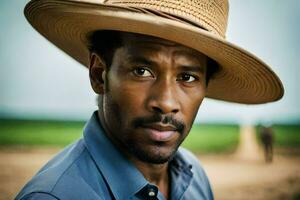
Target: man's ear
(97, 70)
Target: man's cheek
(133, 98)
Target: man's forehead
(154, 43)
(133, 38)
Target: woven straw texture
(210, 15)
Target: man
(267, 139)
(151, 63)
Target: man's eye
(140, 71)
(187, 78)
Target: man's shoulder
(63, 173)
(39, 195)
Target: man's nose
(163, 98)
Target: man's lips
(160, 132)
(160, 127)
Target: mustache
(157, 118)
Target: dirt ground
(234, 178)
(239, 176)
(231, 177)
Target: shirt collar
(112, 164)
(181, 175)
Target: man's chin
(154, 156)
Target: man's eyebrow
(198, 69)
(143, 60)
(146, 61)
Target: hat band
(166, 15)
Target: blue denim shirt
(93, 168)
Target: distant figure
(267, 139)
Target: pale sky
(39, 81)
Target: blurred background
(45, 99)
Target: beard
(120, 131)
(153, 156)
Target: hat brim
(242, 78)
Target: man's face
(153, 90)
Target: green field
(207, 138)
(51, 133)
(203, 138)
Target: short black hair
(105, 43)
(212, 68)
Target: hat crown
(211, 15)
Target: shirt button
(151, 192)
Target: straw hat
(198, 24)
